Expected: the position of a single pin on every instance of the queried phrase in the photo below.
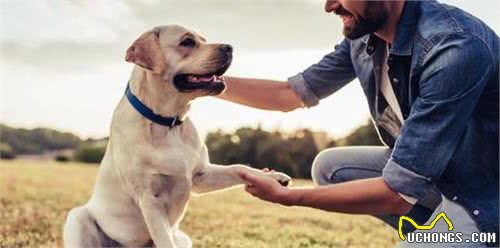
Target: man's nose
(331, 5)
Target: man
(430, 73)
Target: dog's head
(183, 58)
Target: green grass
(36, 196)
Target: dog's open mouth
(212, 82)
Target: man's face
(359, 17)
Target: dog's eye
(188, 42)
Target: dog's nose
(226, 48)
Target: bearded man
(430, 73)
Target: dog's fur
(149, 170)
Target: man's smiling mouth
(346, 16)
(347, 19)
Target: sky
(62, 61)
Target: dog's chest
(181, 146)
(178, 153)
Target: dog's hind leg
(81, 230)
(182, 240)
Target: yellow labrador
(150, 167)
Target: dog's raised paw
(282, 178)
(284, 183)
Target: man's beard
(375, 17)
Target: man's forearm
(261, 93)
(367, 196)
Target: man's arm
(367, 196)
(305, 89)
(261, 93)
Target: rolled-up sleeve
(322, 79)
(453, 76)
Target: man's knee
(342, 164)
(324, 166)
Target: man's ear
(146, 52)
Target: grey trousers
(342, 164)
(337, 165)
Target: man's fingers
(250, 189)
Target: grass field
(36, 196)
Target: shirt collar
(405, 34)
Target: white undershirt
(388, 93)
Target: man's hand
(265, 188)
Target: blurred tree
(24, 141)
(62, 158)
(291, 154)
(90, 153)
(365, 135)
(6, 151)
(223, 148)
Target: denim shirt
(444, 69)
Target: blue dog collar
(148, 113)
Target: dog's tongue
(202, 79)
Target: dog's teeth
(201, 79)
(206, 79)
(194, 79)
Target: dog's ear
(146, 52)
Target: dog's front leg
(155, 215)
(216, 177)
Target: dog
(155, 157)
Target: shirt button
(476, 212)
(395, 80)
(455, 198)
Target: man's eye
(188, 42)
